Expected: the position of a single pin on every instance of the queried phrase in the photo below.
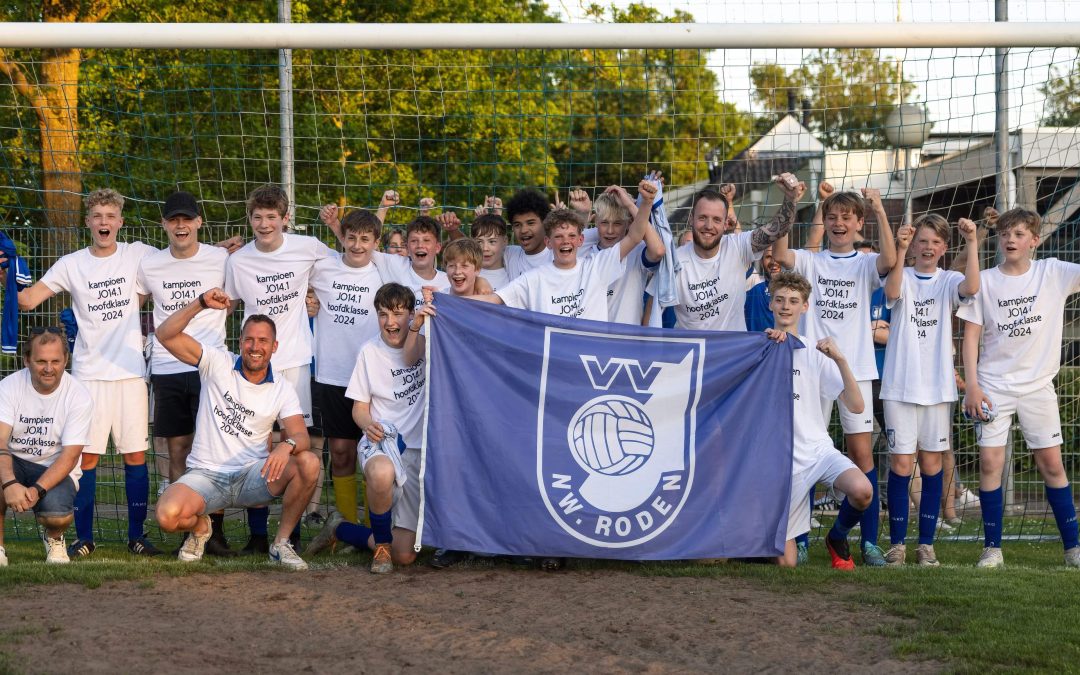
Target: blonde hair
(103, 197)
(466, 250)
(607, 207)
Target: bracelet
(9, 484)
(415, 331)
(41, 491)
(202, 300)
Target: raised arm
(970, 285)
(414, 341)
(450, 224)
(887, 258)
(816, 235)
(647, 190)
(768, 234)
(171, 333)
(896, 274)
(580, 202)
(851, 396)
(389, 200)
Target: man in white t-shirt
(711, 282)
(387, 388)
(228, 465)
(917, 384)
(44, 425)
(1018, 318)
(173, 277)
(108, 360)
(843, 281)
(816, 371)
(270, 276)
(568, 286)
(345, 286)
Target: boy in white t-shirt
(526, 210)
(711, 282)
(816, 371)
(1018, 318)
(614, 210)
(108, 360)
(44, 425)
(388, 389)
(569, 286)
(270, 276)
(843, 281)
(917, 383)
(229, 463)
(345, 286)
(490, 231)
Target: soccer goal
(943, 111)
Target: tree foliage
(851, 92)
(1062, 92)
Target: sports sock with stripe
(871, 517)
(381, 527)
(137, 490)
(345, 496)
(993, 512)
(84, 505)
(1065, 514)
(257, 519)
(354, 535)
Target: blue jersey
(756, 309)
(878, 312)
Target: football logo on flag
(616, 433)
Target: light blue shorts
(222, 489)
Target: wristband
(40, 491)
(415, 331)
(202, 301)
(9, 484)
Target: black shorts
(176, 403)
(336, 411)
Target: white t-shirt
(173, 283)
(579, 292)
(346, 318)
(42, 425)
(275, 284)
(711, 292)
(1022, 318)
(109, 345)
(235, 416)
(814, 377)
(841, 285)
(398, 270)
(919, 354)
(497, 278)
(626, 295)
(394, 390)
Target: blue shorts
(59, 500)
(221, 489)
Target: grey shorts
(406, 508)
(59, 500)
(222, 489)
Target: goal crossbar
(535, 36)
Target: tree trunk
(61, 176)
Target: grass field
(1020, 618)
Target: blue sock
(1065, 514)
(870, 521)
(898, 507)
(354, 535)
(845, 520)
(803, 539)
(84, 505)
(929, 506)
(137, 488)
(993, 512)
(381, 527)
(258, 518)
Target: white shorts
(852, 423)
(122, 409)
(1040, 419)
(908, 425)
(826, 469)
(300, 378)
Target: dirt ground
(417, 620)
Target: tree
(1062, 92)
(851, 93)
(49, 84)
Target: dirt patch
(495, 620)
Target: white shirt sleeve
(870, 260)
(359, 388)
(803, 262)
(289, 403)
(77, 421)
(1069, 273)
(744, 244)
(7, 404)
(393, 268)
(610, 266)
(516, 293)
(58, 277)
(213, 361)
(831, 382)
(972, 312)
(230, 280)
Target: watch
(40, 491)
(290, 442)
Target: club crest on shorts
(616, 433)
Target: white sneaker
(926, 557)
(815, 524)
(3, 557)
(56, 551)
(967, 498)
(991, 558)
(282, 553)
(896, 556)
(1072, 557)
(193, 547)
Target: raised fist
(792, 187)
(448, 221)
(727, 191)
(903, 237)
(329, 215)
(990, 215)
(967, 228)
(647, 190)
(825, 190)
(390, 198)
(580, 202)
(872, 195)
